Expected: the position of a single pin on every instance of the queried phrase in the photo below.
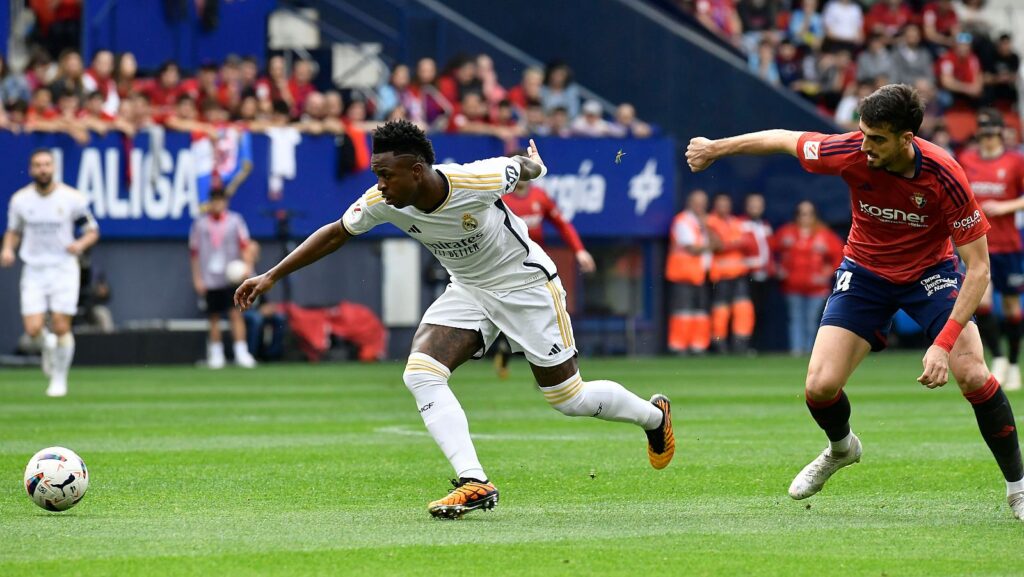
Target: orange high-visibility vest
(682, 265)
(727, 262)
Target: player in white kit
(501, 281)
(42, 218)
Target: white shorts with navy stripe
(533, 319)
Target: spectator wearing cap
(911, 61)
(960, 73)
(590, 123)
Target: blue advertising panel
(138, 193)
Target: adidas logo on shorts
(554, 350)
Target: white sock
(64, 354)
(1014, 487)
(241, 349)
(842, 445)
(606, 400)
(427, 380)
(215, 352)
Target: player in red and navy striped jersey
(909, 198)
(996, 175)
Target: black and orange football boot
(661, 442)
(468, 495)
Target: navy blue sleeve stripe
(951, 181)
(954, 194)
(832, 151)
(838, 143)
(945, 186)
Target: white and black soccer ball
(56, 479)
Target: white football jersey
(47, 223)
(473, 234)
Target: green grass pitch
(327, 470)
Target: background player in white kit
(501, 282)
(43, 217)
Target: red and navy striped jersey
(997, 179)
(901, 226)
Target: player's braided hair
(897, 106)
(403, 137)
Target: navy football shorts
(865, 303)
(1007, 271)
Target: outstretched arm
(702, 152)
(321, 243)
(532, 167)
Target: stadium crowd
(834, 52)
(466, 97)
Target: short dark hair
(403, 137)
(897, 106)
(218, 193)
(39, 151)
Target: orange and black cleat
(468, 495)
(661, 442)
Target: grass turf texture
(291, 470)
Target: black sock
(995, 421)
(989, 332)
(1011, 328)
(832, 416)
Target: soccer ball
(56, 478)
(236, 271)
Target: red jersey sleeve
(828, 153)
(963, 214)
(565, 229)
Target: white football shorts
(51, 288)
(533, 319)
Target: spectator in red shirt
(248, 76)
(807, 253)
(41, 106)
(959, 73)
(40, 70)
(207, 85)
(528, 90)
(886, 18)
(274, 86)
(164, 93)
(492, 90)
(301, 85)
(459, 79)
(940, 24)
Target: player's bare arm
(90, 237)
(702, 152)
(11, 240)
(321, 243)
(936, 359)
(531, 166)
(1001, 207)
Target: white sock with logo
(606, 400)
(427, 380)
